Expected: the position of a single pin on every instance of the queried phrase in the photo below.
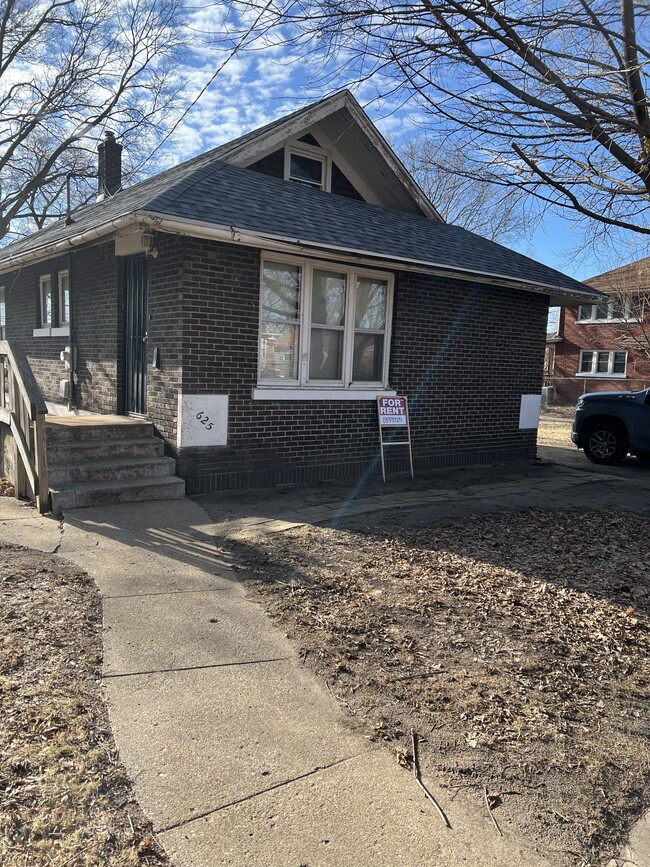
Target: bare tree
(546, 97)
(495, 212)
(628, 291)
(68, 69)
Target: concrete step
(116, 469)
(85, 494)
(62, 431)
(97, 449)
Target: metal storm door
(135, 337)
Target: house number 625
(205, 421)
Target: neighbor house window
(307, 165)
(611, 311)
(602, 363)
(64, 298)
(47, 300)
(323, 325)
(3, 312)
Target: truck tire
(606, 442)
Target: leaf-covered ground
(65, 800)
(516, 645)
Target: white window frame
(52, 328)
(44, 328)
(301, 148)
(345, 389)
(594, 364)
(62, 329)
(3, 313)
(592, 319)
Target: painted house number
(205, 420)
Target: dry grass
(65, 800)
(556, 411)
(518, 645)
(555, 432)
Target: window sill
(606, 322)
(51, 331)
(601, 375)
(266, 393)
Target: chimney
(109, 169)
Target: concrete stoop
(96, 462)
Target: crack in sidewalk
(182, 822)
(57, 547)
(195, 667)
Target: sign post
(393, 413)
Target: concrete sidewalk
(238, 755)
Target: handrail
(22, 408)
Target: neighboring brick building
(254, 301)
(604, 346)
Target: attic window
(307, 165)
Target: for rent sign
(392, 411)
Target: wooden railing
(23, 409)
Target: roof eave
(559, 295)
(48, 250)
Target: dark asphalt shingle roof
(210, 191)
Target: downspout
(73, 354)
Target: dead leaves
(62, 791)
(525, 637)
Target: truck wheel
(606, 443)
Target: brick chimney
(109, 169)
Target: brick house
(253, 302)
(604, 346)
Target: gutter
(56, 248)
(232, 235)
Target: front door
(135, 335)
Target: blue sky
(257, 86)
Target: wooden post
(40, 447)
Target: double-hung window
(612, 311)
(323, 326)
(53, 305)
(64, 298)
(602, 363)
(47, 301)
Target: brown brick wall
(606, 336)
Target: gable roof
(627, 278)
(207, 197)
(340, 124)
